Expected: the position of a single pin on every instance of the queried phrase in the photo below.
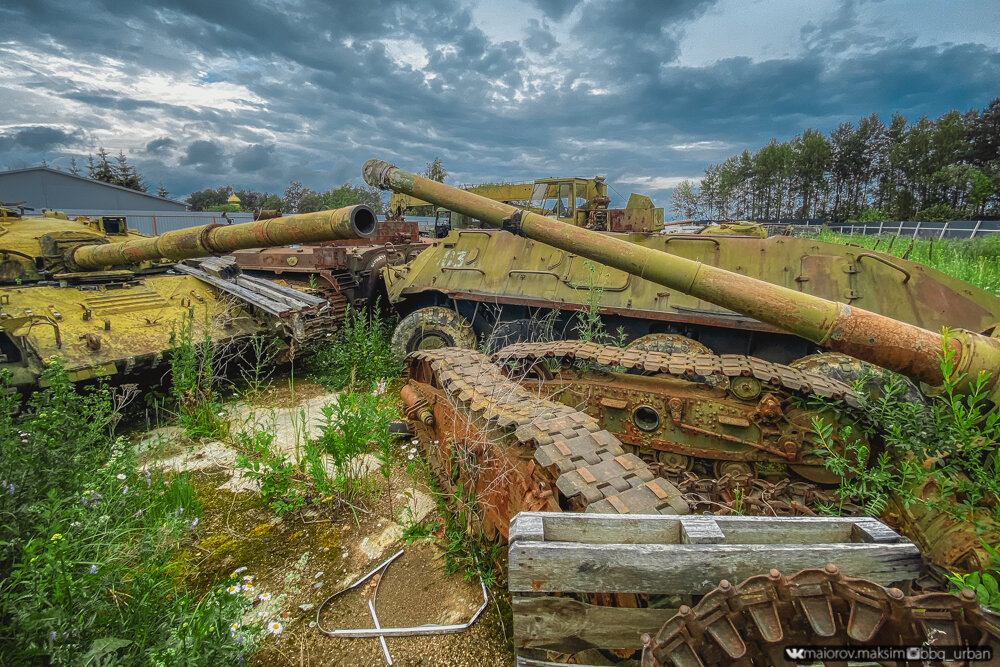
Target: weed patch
(358, 355)
(86, 543)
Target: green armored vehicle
(908, 349)
(106, 299)
(478, 284)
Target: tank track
(589, 466)
(710, 369)
(751, 623)
(580, 460)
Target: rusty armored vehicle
(106, 299)
(480, 284)
(344, 271)
(632, 409)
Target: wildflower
(125, 490)
(10, 489)
(380, 387)
(275, 628)
(222, 414)
(238, 570)
(93, 569)
(57, 537)
(247, 577)
(75, 524)
(248, 587)
(232, 590)
(193, 524)
(410, 457)
(414, 442)
(120, 475)
(413, 450)
(138, 514)
(233, 628)
(262, 614)
(264, 597)
(52, 636)
(436, 441)
(184, 625)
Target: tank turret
(880, 340)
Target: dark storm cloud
(330, 92)
(36, 139)
(252, 158)
(159, 145)
(556, 9)
(205, 154)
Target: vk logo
(795, 653)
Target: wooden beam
(569, 626)
(692, 569)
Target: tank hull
(523, 276)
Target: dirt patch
(289, 565)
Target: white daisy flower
(264, 597)
(232, 590)
(274, 628)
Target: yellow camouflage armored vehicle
(106, 299)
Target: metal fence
(155, 222)
(952, 229)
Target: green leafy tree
(435, 171)
(684, 200)
(201, 200)
(293, 193)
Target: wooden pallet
(556, 553)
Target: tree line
(941, 169)
(296, 199)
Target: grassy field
(976, 261)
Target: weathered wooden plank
(604, 528)
(692, 569)
(873, 530)
(659, 529)
(527, 526)
(701, 530)
(569, 626)
(787, 529)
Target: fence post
(880, 223)
(155, 233)
(944, 228)
(900, 230)
(916, 229)
(975, 229)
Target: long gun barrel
(880, 340)
(350, 222)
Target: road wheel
(850, 370)
(430, 328)
(668, 344)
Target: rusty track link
(745, 494)
(591, 469)
(751, 623)
(711, 369)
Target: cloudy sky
(202, 93)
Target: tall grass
(86, 576)
(976, 261)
